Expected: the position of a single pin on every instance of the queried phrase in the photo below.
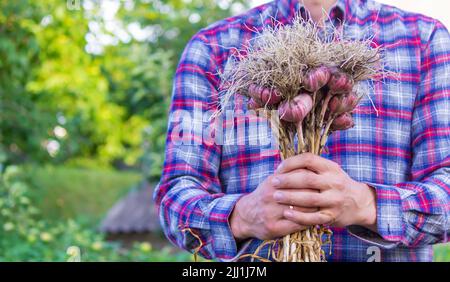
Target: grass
(442, 253)
(85, 194)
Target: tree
(76, 90)
(143, 80)
(22, 123)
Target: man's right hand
(258, 215)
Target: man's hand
(259, 215)
(342, 201)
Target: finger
(299, 179)
(300, 209)
(303, 199)
(305, 190)
(308, 219)
(305, 161)
(285, 227)
(278, 210)
(303, 209)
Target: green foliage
(23, 123)
(60, 103)
(442, 253)
(46, 72)
(143, 80)
(63, 104)
(176, 21)
(26, 236)
(70, 81)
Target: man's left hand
(342, 201)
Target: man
(384, 184)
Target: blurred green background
(84, 94)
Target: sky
(96, 39)
(438, 9)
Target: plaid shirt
(400, 144)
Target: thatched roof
(135, 213)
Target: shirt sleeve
(417, 212)
(193, 208)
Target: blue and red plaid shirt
(400, 144)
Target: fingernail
(278, 196)
(288, 213)
(276, 181)
(280, 166)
